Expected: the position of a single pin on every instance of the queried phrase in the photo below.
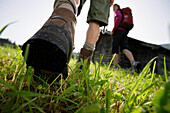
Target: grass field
(97, 90)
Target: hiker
(120, 39)
(50, 49)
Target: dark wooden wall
(104, 48)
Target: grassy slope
(99, 89)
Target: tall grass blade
(24, 105)
(65, 92)
(6, 84)
(27, 93)
(152, 76)
(69, 100)
(165, 71)
(97, 69)
(5, 27)
(99, 66)
(142, 74)
(2, 95)
(21, 82)
(153, 72)
(111, 61)
(46, 84)
(26, 52)
(23, 67)
(146, 90)
(31, 102)
(161, 100)
(29, 75)
(108, 98)
(53, 81)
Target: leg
(116, 42)
(91, 38)
(93, 33)
(134, 64)
(51, 47)
(67, 4)
(116, 59)
(124, 46)
(97, 16)
(128, 55)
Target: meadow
(100, 89)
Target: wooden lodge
(142, 52)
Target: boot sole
(50, 49)
(45, 55)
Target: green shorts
(99, 12)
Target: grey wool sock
(132, 63)
(89, 46)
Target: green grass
(97, 90)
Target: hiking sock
(89, 46)
(67, 4)
(133, 62)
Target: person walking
(97, 17)
(50, 48)
(120, 39)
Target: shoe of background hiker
(115, 67)
(51, 47)
(135, 65)
(85, 55)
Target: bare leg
(128, 55)
(91, 38)
(93, 33)
(115, 62)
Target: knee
(94, 24)
(124, 50)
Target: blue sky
(151, 19)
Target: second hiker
(123, 23)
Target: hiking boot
(51, 47)
(135, 65)
(85, 55)
(115, 67)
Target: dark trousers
(120, 41)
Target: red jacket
(117, 20)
